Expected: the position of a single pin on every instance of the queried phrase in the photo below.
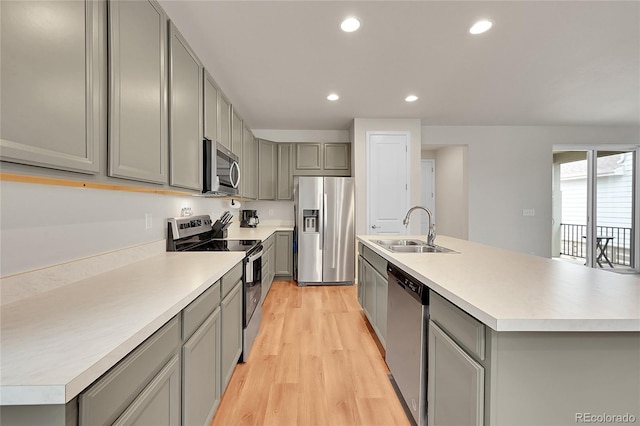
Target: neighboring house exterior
(614, 204)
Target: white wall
(43, 225)
(359, 130)
(272, 212)
(509, 169)
(452, 197)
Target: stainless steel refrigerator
(324, 231)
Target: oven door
(252, 284)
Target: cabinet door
(210, 107)
(361, 281)
(159, 402)
(254, 166)
(308, 157)
(236, 134)
(137, 64)
(369, 293)
(231, 341)
(455, 383)
(336, 156)
(201, 372)
(249, 173)
(381, 287)
(185, 141)
(267, 170)
(52, 100)
(285, 172)
(284, 253)
(224, 120)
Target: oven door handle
(254, 257)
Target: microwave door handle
(237, 182)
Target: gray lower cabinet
(159, 402)
(231, 337)
(322, 159)
(201, 371)
(135, 379)
(268, 265)
(455, 383)
(52, 80)
(267, 170)
(185, 113)
(284, 253)
(137, 68)
(373, 290)
(284, 190)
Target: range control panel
(187, 226)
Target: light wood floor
(314, 362)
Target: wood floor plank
(314, 363)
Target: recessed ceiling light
(333, 97)
(411, 98)
(350, 25)
(481, 26)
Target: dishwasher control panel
(411, 285)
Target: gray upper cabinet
(308, 157)
(52, 80)
(285, 176)
(137, 70)
(267, 165)
(210, 107)
(249, 169)
(336, 156)
(322, 159)
(185, 91)
(224, 120)
(236, 134)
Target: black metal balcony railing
(619, 250)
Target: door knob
(375, 227)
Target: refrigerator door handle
(324, 219)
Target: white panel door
(388, 182)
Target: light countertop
(512, 291)
(56, 343)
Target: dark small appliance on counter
(249, 218)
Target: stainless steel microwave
(221, 170)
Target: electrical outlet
(528, 212)
(148, 221)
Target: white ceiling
(543, 63)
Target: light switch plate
(528, 212)
(148, 221)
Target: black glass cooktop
(225, 245)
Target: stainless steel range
(200, 233)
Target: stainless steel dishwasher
(406, 351)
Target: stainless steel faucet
(431, 237)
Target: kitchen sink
(400, 242)
(419, 249)
(411, 246)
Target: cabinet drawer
(467, 331)
(231, 278)
(107, 398)
(198, 310)
(377, 261)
